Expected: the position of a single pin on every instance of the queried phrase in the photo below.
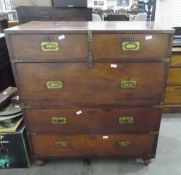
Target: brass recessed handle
(50, 46)
(59, 120)
(125, 144)
(131, 45)
(126, 120)
(128, 84)
(62, 144)
(54, 84)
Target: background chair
(140, 17)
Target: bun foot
(146, 161)
(40, 162)
(87, 161)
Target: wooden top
(84, 26)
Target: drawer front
(92, 120)
(75, 84)
(87, 145)
(176, 61)
(173, 95)
(130, 46)
(174, 76)
(50, 48)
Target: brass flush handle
(126, 120)
(128, 84)
(125, 144)
(131, 45)
(50, 46)
(62, 144)
(54, 84)
(59, 120)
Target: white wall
(1, 5)
(168, 12)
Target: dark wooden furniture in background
(69, 3)
(6, 75)
(91, 89)
(3, 21)
(12, 23)
(121, 17)
(3, 25)
(172, 101)
(27, 14)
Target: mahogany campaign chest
(91, 89)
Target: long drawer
(93, 120)
(50, 48)
(130, 46)
(75, 84)
(98, 145)
(173, 95)
(174, 76)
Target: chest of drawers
(91, 89)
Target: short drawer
(98, 145)
(173, 95)
(174, 76)
(93, 120)
(76, 84)
(130, 46)
(50, 48)
(176, 60)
